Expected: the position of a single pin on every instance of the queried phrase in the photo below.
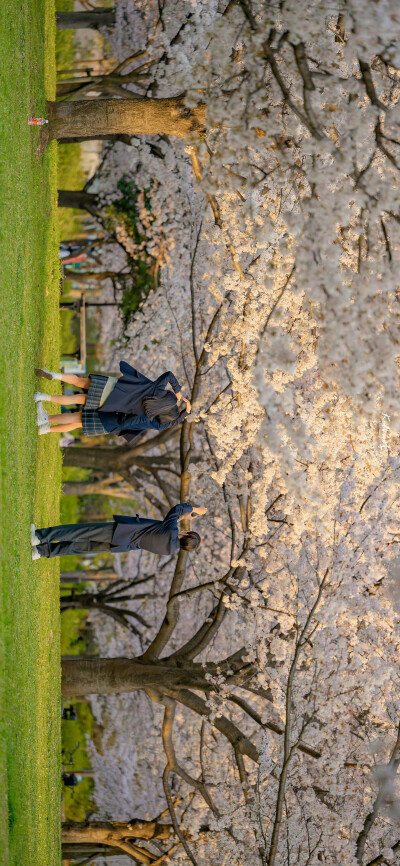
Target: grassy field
(30, 466)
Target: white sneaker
(34, 538)
(35, 554)
(38, 395)
(41, 414)
(44, 428)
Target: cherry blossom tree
(306, 589)
(275, 658)
(303, 119)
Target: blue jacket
(127, 399)
(141, 533)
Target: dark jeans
(75, 538)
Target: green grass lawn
(30, 466)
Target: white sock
(50, 372)
(39, 396)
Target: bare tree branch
(288, 748)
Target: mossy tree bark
(110, 676)
(91, 118)
(102, 17)
(79, 199)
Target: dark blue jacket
(140, 533)
(126, 399)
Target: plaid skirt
(92, 424)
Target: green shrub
(142, 277)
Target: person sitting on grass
(120, 535)
(125, 406)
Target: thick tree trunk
(83, 601)
(82, 676)
(97, 488)
(102, 459)
(88, 276)
(109, 605)
(74, 851)
(101, 832)
(126, 139)
(102, 17)
(140, 116)
(84, 575)
(79, 199)
(103, 838)
(119, 457)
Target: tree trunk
(140, 116)
(105, 459)
(117, 458)
(97, 488)
(101, 832)
(84, 575)
(88, 276)
(74, 852)
(72, 139)
(96, 676)
(83, 601)
(101, 838)
(79, 199)
(102, 17)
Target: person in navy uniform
(120, 535)
(125, 406)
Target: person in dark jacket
(120, 535)
(125, 406)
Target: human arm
(131, 374)
(181, 511)
(195, 512)
(166, 379)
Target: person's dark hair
(190, 541)
(163, 407)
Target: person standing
(125, 406)
(123, 534)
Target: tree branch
(287, 748)
(224, 725)
(169, 716)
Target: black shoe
(43, 374)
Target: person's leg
(77, 532)
(78, 381)
(74, 538)
(72, 548)
(69, 379)
(59, 428)
(70, 421)
(64, 399)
